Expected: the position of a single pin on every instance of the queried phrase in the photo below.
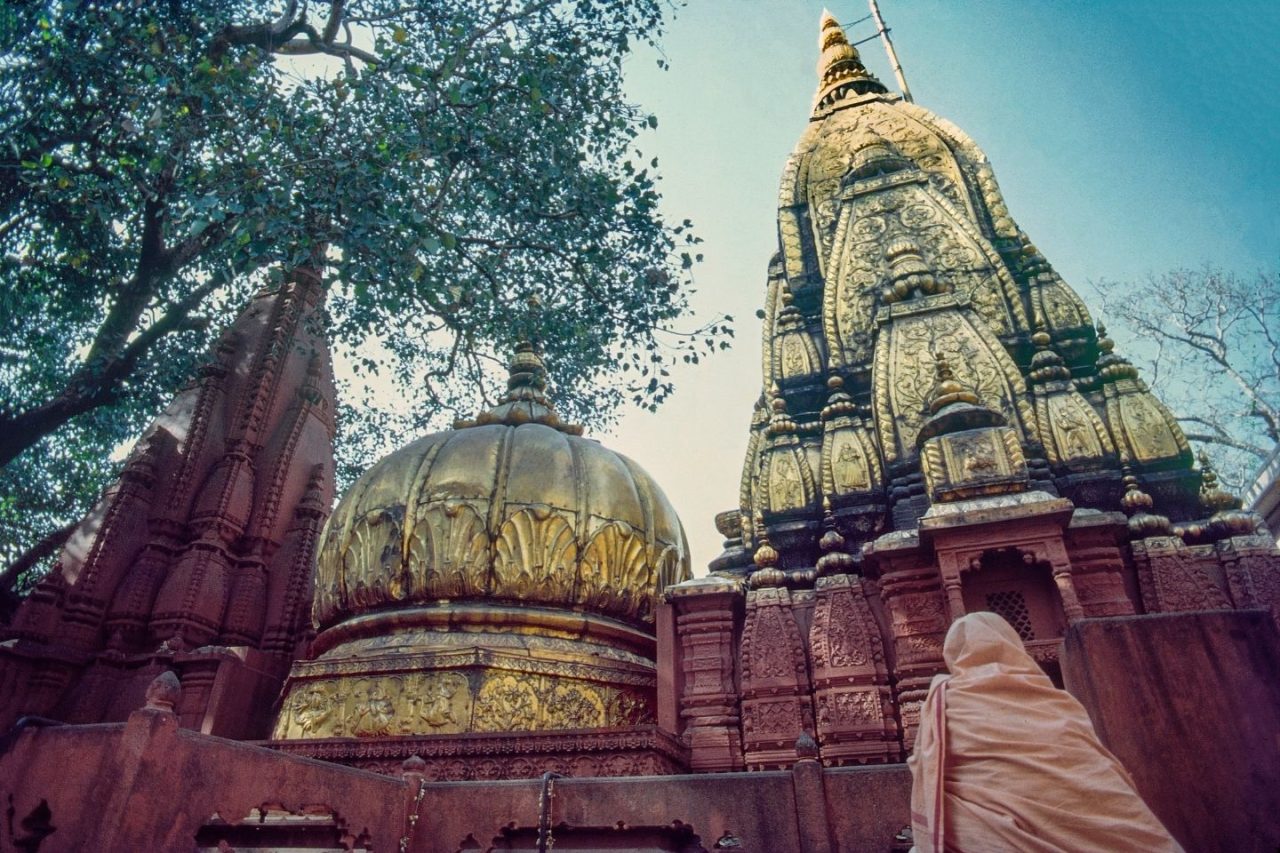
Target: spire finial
(948, 389)
(840, 67)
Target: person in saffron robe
(1005, 761)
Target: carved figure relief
(1149, 433)
(794, 358)
(1074, 435)
(435, 704)
(312, 711)
(786, 488)
(374, 710)
(850, 471)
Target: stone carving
(646, 752)
(845, 709)
(771, 720)
(1181, 582)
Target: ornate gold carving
(1150, 436)
(534, 556)
(437, 705)
(850, 469)
(574, 706)
(506, 703)
(905, 375)
(448, 551)
(785, 489)
(450, 702)
(615, 573)
(1076, 432)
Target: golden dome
(512, 507)
(497, 577)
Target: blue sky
(1128, 138)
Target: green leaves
(469, 164)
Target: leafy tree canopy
(467, 168)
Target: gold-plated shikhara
(499, 576)
(895, 247)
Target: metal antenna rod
(893, 54)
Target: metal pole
(893, 54)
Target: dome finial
(525, 401)
(525, 370)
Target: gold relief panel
(1058, 304)
(789, 479)
(442, 703)
(1071, 429)
(905, 372)
(974, 462)
(574, 706)
(448, 551)
(507, 703)
(852, 468)
(376, 706)
(1150, 434)
(535, 556)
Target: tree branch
(43, 549)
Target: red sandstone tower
(199, 558)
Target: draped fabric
(1004, 760)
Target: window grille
(1013, 607)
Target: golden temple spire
(840, 67)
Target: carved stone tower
(199, 558)
(941, 429)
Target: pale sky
(1128, 138)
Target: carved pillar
(707, 613)
(1060, 566)
(776, 706)
(1101, 572)
(854, 703)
